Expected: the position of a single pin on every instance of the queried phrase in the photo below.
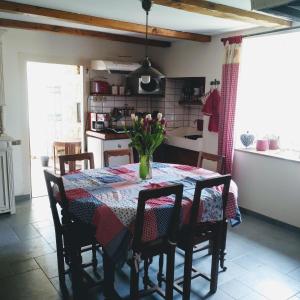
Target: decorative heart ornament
(247, 139)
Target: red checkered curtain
(230, 71)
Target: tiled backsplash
(176, 115)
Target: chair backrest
(117, 152)
(55, 186)
(219, 159)
(71, 160)
(172, 224)
(205, 184)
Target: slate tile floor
(263, 260)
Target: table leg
(223, 245)
(109, 278)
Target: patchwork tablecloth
(108, 197)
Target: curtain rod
(283, 30)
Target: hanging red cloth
(211, 108)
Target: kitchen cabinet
(178, 155)
(98, 146)
(7, 198)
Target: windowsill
(280, 153)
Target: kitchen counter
(178, 137)
(107, 135)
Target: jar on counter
(114, 89)
(121, 90)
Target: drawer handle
(119, 146)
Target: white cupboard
(98, 146)
(7, 197)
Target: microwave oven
(98, 121)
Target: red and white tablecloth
(107, 198)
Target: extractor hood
(114, 67)
(284, 8)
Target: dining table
(107, 199)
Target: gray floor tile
(7, 236)
(26, 232)
(254, 296)
(295, 274)
(24, 250)
(48, 263)
(32, 285)
(236, 289)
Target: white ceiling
(131, 10)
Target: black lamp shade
(146, 70)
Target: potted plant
(146, 135)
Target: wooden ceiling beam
(8, 23)
(20, 8)
(226, 12)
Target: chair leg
(160, 274)
(146, 279)
(94, 259)
(170, 273)
(223, 245)
(210, 246)
(60, 262)
(134, 280)
(187, 273)
(215, 262)
(76, 274)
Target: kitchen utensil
(99, 87)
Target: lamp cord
(146, 46)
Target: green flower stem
(144, 166)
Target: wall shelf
(184, 102)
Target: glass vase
(145, 170)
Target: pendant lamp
(146, 72)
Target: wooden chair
(196, 232)
(72, 237)
(65, 148)
(212, 157)
(116, 153)
(71, 161)
(164, 244)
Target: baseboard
(270, 220)
(21, 198)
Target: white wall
(19, 46)
(269, 186)
(188, 59)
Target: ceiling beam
(8, 23)
(14, 7)
(226, 12)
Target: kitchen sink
(193, 136)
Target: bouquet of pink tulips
(146, 135)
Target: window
(268, 100)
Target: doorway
(55, 101)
